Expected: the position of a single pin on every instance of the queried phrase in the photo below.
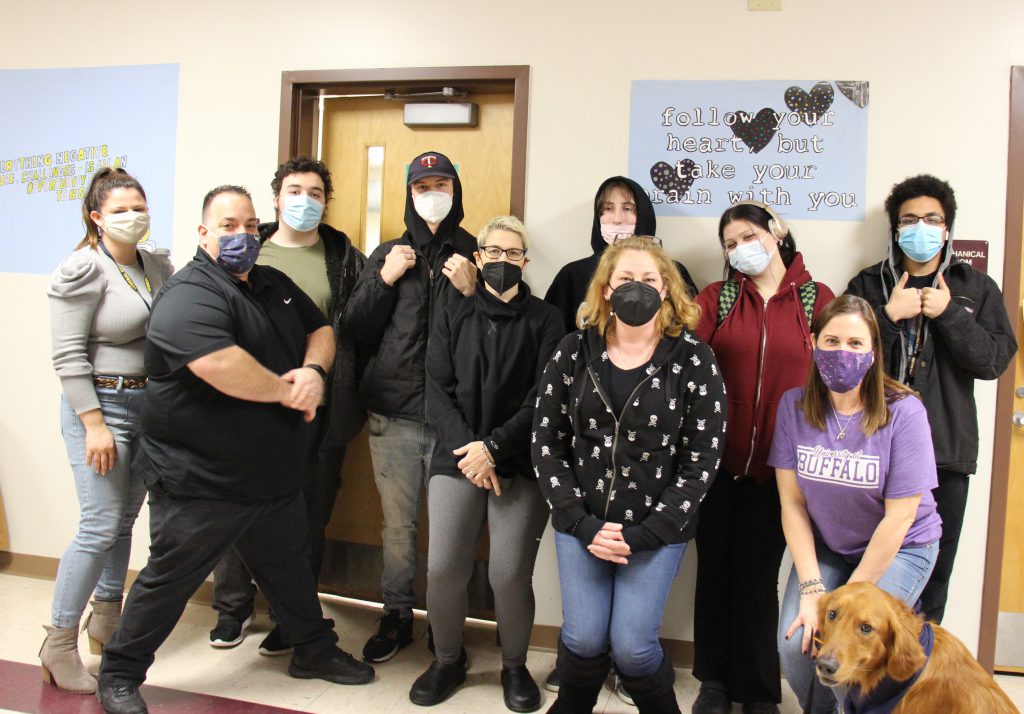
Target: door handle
(1018, 419)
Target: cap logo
(428, 161)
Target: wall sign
(972, 252)
(698, 147)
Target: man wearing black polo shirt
(236, 355)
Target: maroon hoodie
(763, 350)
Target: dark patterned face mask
(635, 303)
(238, 252)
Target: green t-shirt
(306, 266)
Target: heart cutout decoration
(856, 92)
(755, 131)
(665, 177)
(810, 105)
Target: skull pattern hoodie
(648, 467)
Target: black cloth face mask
(635, 303)
(502, 275)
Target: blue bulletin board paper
(62, 125)
(698, 147)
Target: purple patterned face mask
(842, 370)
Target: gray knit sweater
(97, 322)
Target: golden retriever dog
(871, 643)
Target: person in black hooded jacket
(485, 356)
(943, 325)
(621, 208)
(322, 261)
(404, 287)
(627, 437)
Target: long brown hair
(677, 312)
(103, 182)
(877, 390)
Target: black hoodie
(483, 363)
(390, 324)
(971, 339)
(569, 287)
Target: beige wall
(939, 77)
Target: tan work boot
(101, 623)
(62, 666)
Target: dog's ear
(905, 653)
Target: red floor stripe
(23, 690)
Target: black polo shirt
(198, 442)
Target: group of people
(758, 413)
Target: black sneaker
(712, 699)
(338, 666)
(273, 646)
(551, 683)
(229, 632)
(393, 633)
(519, 690)
(438, 682)
(121, 699)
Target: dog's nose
(827, 666)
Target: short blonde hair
(678, 311)
(504, 223)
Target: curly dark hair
(915, 187)
(302, 164)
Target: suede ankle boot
(62, 666)
(101, 623)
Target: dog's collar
(887, 695)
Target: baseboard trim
(543, 637)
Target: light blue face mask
(301, 212)
(921, 242)
(750, 258)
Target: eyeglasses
(651, 239)
(494, 252)
(930, 219)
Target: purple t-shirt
(846, 481)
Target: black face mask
(635, 303)
(501, 275)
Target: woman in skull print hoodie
(628, 430)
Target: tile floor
(186, 662)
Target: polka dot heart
(755, 131)
(810, 105)
(665, 176)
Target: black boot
(654, 694)
(438, 682)
(580, 681)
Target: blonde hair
(504, 223)
(678, 311)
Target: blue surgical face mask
(301, 212)
(238, 252)
(750, 258)
(921, 242)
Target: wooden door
(367, 148)
(1010, 633)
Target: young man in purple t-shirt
(855, 468)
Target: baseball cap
(430, 163)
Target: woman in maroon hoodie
(757, 323)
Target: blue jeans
(905, 579)
(400, 450)
(615, 608)
(96, 560)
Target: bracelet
(487, 455)
(817, 590)
(316, 368)
(812, 581)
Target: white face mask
(611, 231)
(751, 258)
(432, 206)
(129, 227)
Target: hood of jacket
(893, 263)
(646, 222)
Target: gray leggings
(516, 521)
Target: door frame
(300, 93)
(1005, 390)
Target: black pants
(188, 537)
(233, 589)
(951, 502)
(736, 612)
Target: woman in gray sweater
(100, 298)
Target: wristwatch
(316, 368)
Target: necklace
(842, 427)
